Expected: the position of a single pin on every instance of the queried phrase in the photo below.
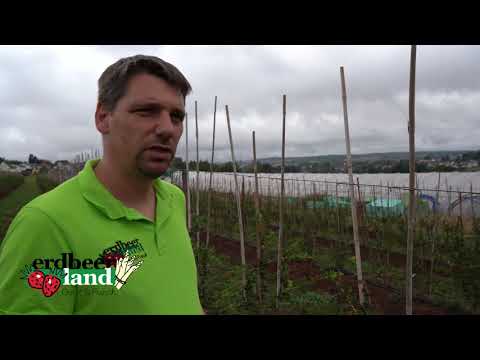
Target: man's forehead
(152, 89)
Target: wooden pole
(471, 202)
(434, 235)
(412, 202)
(356, 236)
(197, 197)
(461, 210)
(282, 195)
(211, 175)
(437, 198)
(337, 207)
(449, 199)
(363, 206)
(388, 202)
(304, 212)
(258, 221)
(189, 212)
(239, 208)
(304, 187)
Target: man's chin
(153, 171)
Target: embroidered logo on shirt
(113, 267)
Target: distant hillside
(337, 160)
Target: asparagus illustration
(125, 267)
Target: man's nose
(164, 124)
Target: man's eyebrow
(155, 105)
(144, 104)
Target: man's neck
(133, 191)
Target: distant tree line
(179, 164)
(474, 155)
(359, 167)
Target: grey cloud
(48, 94)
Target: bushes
(219, 284)
(446, 252)
(9, 182)
(45, 183)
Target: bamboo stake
(327, 212)
(242, 202)
(388, 202)
(437, 198)
(269, 196)
(471, 201)
(189, 212)
(304, 187)
(257, 224)
(356, 239)
(304, 212)
(461, 209)
(412, 202)
(239, 208)
(337, 207)
(449, 199)
(314, 212)
(364, 207)
(282, 195)
(197, 198)
(211, 176)
(434, 235)
(297, 192)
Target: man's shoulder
(172, 190)
(60, 198)
(45, 215)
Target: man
(113, 239)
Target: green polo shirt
(81, 220)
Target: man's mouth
(160, 151)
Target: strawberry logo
(111, 259)
(51, 285)
(36, 279)
(47, 280)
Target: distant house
(16, 167)
(45, 163)
(5, 167)
(61, 163)
(62, 170)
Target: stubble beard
(149, 172)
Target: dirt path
(384, 300)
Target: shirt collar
(96, 193)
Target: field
(319, 248)
(26, 189)
(9, 182)
(320, 274)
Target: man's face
(143, 130)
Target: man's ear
(102, 119)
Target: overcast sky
(48, 95)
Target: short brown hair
(113, 82)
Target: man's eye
(143, 112)
(177, 117)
